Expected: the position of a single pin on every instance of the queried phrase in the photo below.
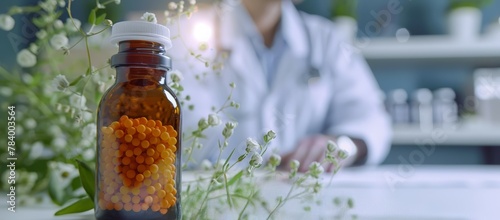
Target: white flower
(62, 3)
(77, 101)
(73, 26)
(202, 123)
(58, 41)
(36, 150)
(63, 173)
(275, 160)
(30, 123)
(252, 145)
(6, 22)
(33, 48)
(60, 82)
(213, 120)
(331, 146)
(176, 76)
(89, 131)
(270, 135)
(294, 164)
(206, 165)
(192, 2)
(41, 34)
(149, 17)
(25, 58)
(59, 143)
(86, 115)
(6, 91)
(118, 2)
(342, 154)
(58, 24)
(256, 160)
(89, 154)
(172, 5)
(315, 169)
(228, 129)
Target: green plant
(454, 4)
(56, 94)
(344, 8)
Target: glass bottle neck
(141, 53)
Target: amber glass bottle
(139, 130)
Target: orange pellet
(149, 160)
(139, 159)
(137, 165)
(145, 144)
(137, 151)
(119, 133)
(139, 177)
(164, 136)
(141, 128)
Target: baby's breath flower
(176, 76)
(203, 46)
(275, 160)
(89, 131)
(58, 24)
(270, 135)
(256, 160)
(342, 154)
(6, 91)
(252, 145)
(77, 101)
(315, 169)
(294, 165)
(232, 85)
(64, 172)
(6, 22)
(62, 3)
(202, 124)
(331, 146)
(41, 34)
(206, 165)
(149, 17)
(30, 123)
(192, 2)
(58, 41)
(89, 154)
(213, 120)
(60, 82)
(33, 48)
(73, 26)
(228, 129)
(25, 58)
(172, 5)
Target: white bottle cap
(140, 30)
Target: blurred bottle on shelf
(445, 109)
(487, 92)
(397, 106)
(421, 109)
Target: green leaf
(81, 205)
(87, 176)
(56, 192)
(92, 16)
(100, 19)
(74, 82)
(235, 178)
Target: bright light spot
(202, 32)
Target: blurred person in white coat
(293, 74)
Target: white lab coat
(342, 100)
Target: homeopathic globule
(139, 129)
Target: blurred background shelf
(460, 135)
(441, 50)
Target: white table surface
(386, 192)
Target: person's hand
(308, 150)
